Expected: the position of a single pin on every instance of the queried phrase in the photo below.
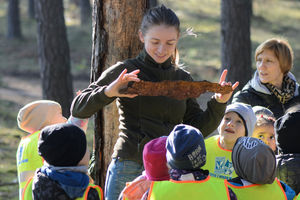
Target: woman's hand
(113, 89)
(223, 98)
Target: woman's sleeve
(93, 99)
(241, 96)
(206, 121)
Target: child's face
(266, 134)
(231, 128)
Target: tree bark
(85, 11)
(115, 38)
(13, 20)
(54, 55)
(235, 39)
(30, 9)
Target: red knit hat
(155, 162)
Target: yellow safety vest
(272, 191)
(297, 197)
(27, 193)
(28, 159)
(207, 189)
(218, 160)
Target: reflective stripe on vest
(28, 159)
(297, 197)
(218, 160)
(272, 191)
(27, 193)
(207, 189)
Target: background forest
(20, 71)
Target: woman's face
(266, 134)
(160, 42)
(231, 128)
(268, 68)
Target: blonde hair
(282, 50)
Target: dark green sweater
(144, 118)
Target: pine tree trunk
(85, 11)
(115, 38)
(54, 55)
(30, 9)
(13, 20)
(235, 38)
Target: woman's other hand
(223, 98)
(122, 81)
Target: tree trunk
(54, 55)
(13, 20)
(235, 38)
(115, 38)
(30, 9)
(85, 11)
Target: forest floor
(20, 82)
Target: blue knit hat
(185, 148)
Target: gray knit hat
(253, 160)
(245, 111)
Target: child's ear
(141, 36)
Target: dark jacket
(144, 118)
(44, 188)
(256, 94)
(288, 170)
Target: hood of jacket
(259, 87)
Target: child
(155, 163)
(264, 127)
(287, 140)
(32, 118)
(64, 173)
(255, 164)
(186, 154)
(238, 121)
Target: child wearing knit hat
(32, 118)
(255, 165)
(287, 139)
(155, 164)
(239, 120)
(64, 173)
(186, 154)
